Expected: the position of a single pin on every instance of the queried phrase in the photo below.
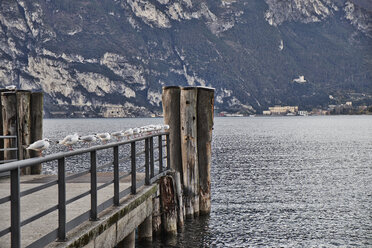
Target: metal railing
(4, 150)
(92, 214)
(9, 157)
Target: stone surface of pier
(114, 224)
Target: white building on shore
(283, 110)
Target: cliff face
(115, 55)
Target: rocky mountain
(111, 57)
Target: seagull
(158, 128)
(128, 132)
(11, 87)
(39, 146)
(136, 131)
(165, 127)
(150, 128)
(104, 137)
(118, 135)
(88, 139)
(143, 130)
(69, 140)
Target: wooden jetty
(164, 179)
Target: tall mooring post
(171, 110)
(189, 149)
(21, 116)
(189, 113)
(204, 140)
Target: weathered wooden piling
(205, 126)
(189, 151)
(179, 196)
(24, 126)
(189, 112)
(168, 205)
(36, 106)
(171, 110)
(22, 117)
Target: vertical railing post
(152, 174)
(61, 200)
(133, 163)
(116, 176)
(160, 139)
(15, 208)
(168, 152)
(147, 162)
(93, 186)
(17, 152)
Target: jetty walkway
(89, 208)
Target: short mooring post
(22, 116)
(168, 205)
(205, 126)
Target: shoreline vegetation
(216, 115)
(341, 109)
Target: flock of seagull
(72, 139)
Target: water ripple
(282, 182)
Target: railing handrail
(34, 161)
(63, 225)
(8, 136)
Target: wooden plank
(189, 152)
(205, 126)
(36, 111)
(24, 127)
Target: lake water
(276, 181)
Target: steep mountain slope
(113, 56)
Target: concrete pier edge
(86, 234)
